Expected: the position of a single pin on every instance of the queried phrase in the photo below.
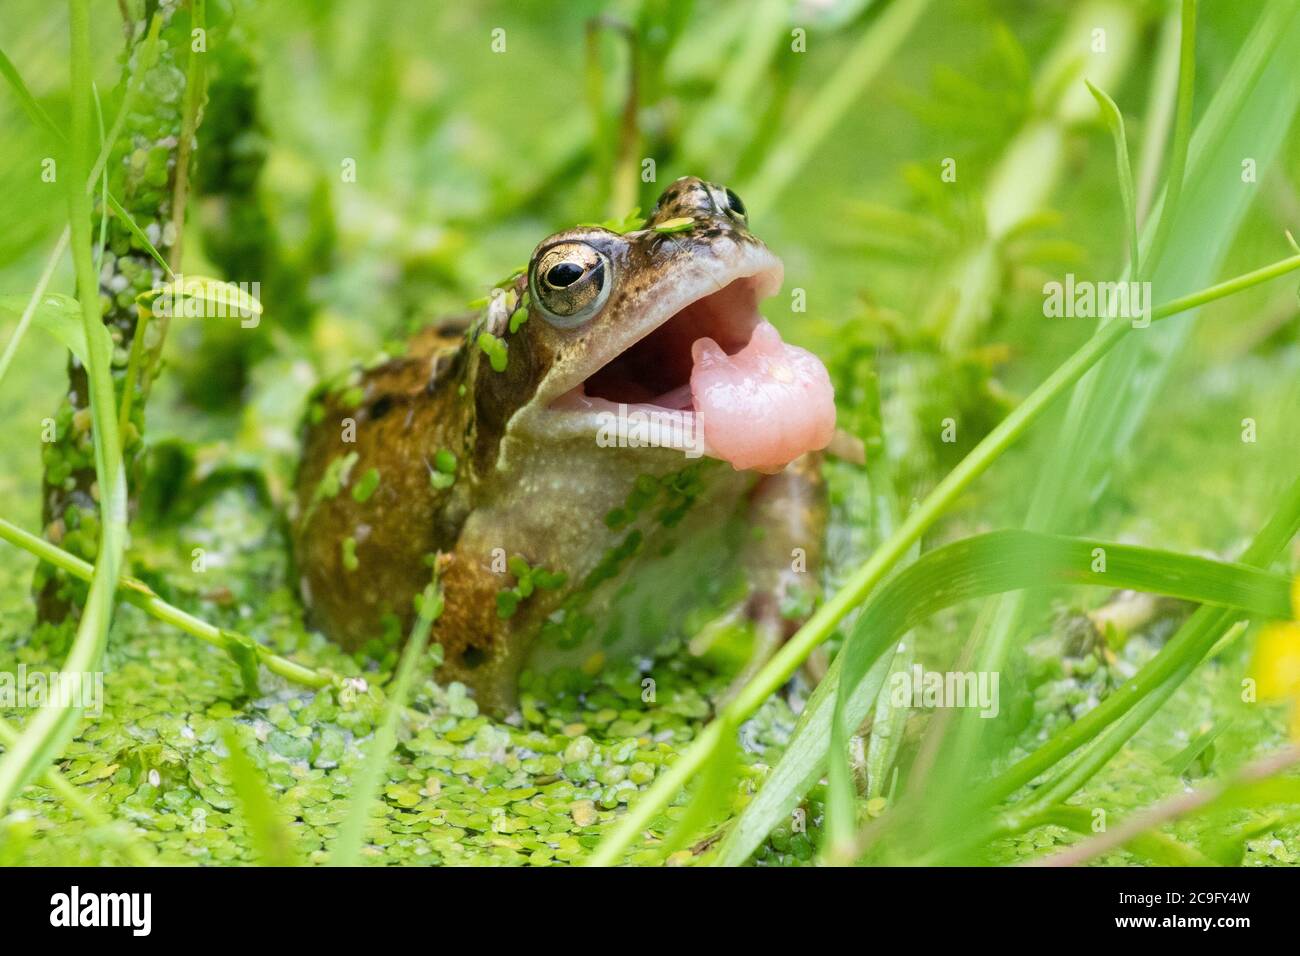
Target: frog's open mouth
(656, 369)
(705, 373)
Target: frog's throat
(647, 368)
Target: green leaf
(60, 316)
(25, 99)
(494, 349)
(1182, 761)
(49, 731)
(244, 651)
(365, 486)
(212, 296)
(507, 603)
(680, 224)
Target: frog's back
(368, 518)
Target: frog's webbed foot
(782, 562)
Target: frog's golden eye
(570, 282)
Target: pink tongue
(764, 406)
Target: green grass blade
(887, 724)
(1182, 128)
(346, 850)
(711, 795)
(1123, 167)
(142, 596)
(51, 729)
(1109, 406)
(879, 41)
(975, 567)
(148, 54)
(1197, 635)
(268, 829)
(34, 305)
(42, 119)
(799, 769)
(28, 102)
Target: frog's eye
(727, 201)
(735, 206)
(570, 282)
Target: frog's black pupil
(737, 206)
(564, 274)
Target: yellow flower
(1276, 664)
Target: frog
(617, 408)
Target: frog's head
(663, 321)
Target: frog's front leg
(782, 557)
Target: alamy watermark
(75, 908)
(23, 689)
(639, 427)
(920, 688)
(1083, 299)
(195, 298)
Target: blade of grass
(148, 53)
(33, 303)
(34, 110)
(51, 729)
(103, 183)
(42, 119)
(1159, 115)
(1109, 405)
(714, 122)
(1003, 561)
(711, 794)
(798, 770)
(195, 92)
(887, 723)
(142, 596)
(1182, 129)
(1104, 730)
(268, 830)
(1195, 638)
(346, 850)
(878, 42)
(1124, 170)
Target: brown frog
(618, 426)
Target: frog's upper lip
(649, 366)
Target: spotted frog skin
(480, 449)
